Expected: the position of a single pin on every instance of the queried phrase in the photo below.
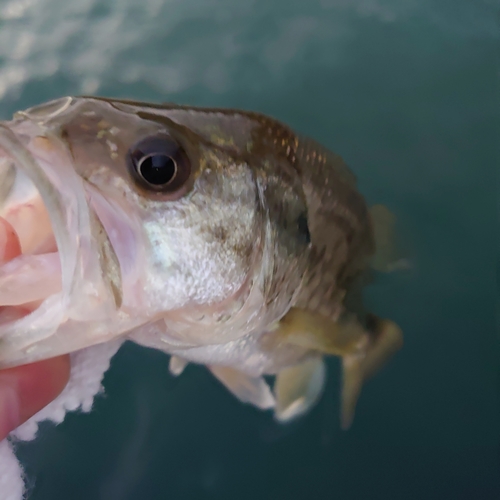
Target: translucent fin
(247, 389)
(352, 381)
(363, 351)
(385, 340)
(298, 388)
(177, 365)
(316, 332)
(388, 256)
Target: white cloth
(87, 370)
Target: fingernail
(9, 410)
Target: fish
(218, 236)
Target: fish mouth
(57, 283)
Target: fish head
(159, 213)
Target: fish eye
(159, 163)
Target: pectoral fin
(316, 332)
(388, 256)
(247, 389)
(298, 388)
(362, 350)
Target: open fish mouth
(26, 197)
(49, 292)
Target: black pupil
(158, 169)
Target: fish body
(220, 237)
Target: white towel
(87, 370)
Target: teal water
(406, 92)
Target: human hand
(24, 390)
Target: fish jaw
(81, 307)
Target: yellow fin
(384, 340)
(298, 388)
(388, 256)
(352, 381)
(318, 333)
(363, 351)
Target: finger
(25, 390)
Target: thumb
(24, 390)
